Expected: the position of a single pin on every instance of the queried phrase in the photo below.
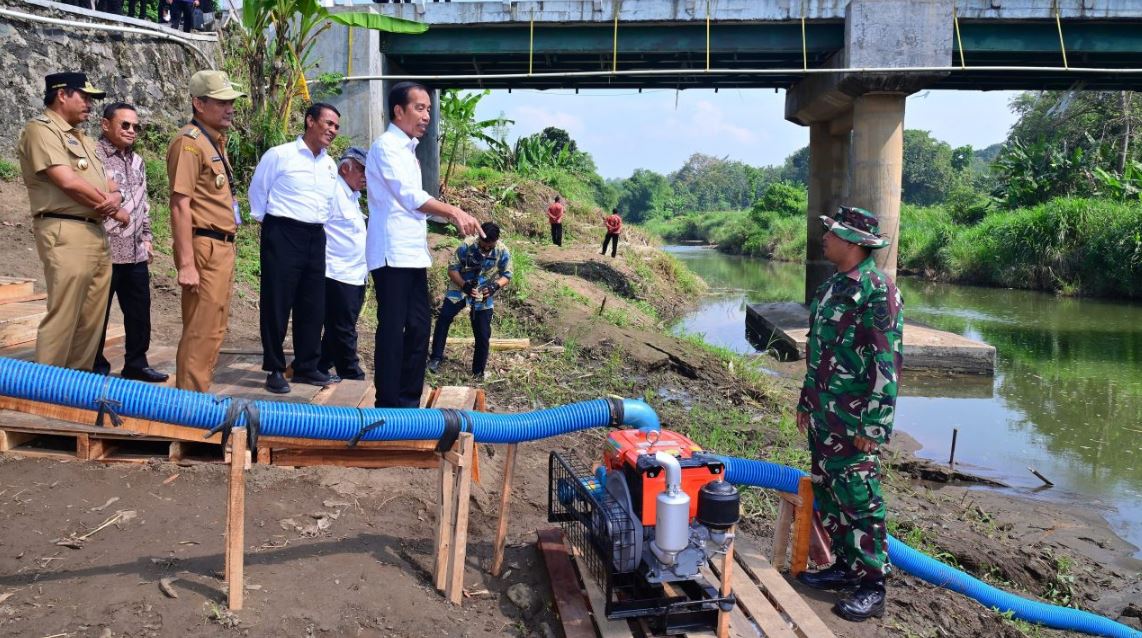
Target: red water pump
(653, 513)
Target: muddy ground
(346, 552)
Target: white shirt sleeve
(259, 192)
(398, 177)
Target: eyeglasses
(126, 126)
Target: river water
(1066, 398)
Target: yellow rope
(707, 35)
(804, 47)
(804, 42)
(531, 45)
(1062, 44)
(615, 43)
(959, 42)
(349, 62)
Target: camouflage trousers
(849, 500)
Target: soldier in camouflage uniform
(847, 406)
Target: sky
(659, 129)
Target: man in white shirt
(345, 270)
(396, 248)
(291, 195)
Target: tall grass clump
(925, 232)
(1070, 245)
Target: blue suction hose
(759, 473)
(84, 390)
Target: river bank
(1068, 246)
(610, 316)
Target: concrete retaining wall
(142, 69)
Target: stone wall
(146, 70)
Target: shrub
(9, 171)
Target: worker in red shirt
(614, 224)
(555, 216)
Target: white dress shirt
(398, 232)
(291, 182)
(345, 238)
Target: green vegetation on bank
(1056, 207)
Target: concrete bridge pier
(428, 151)
(829, 148)
(878, 34)
(877, 166)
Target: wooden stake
(505, 499)
(802, 527)
(727, 585)
(444, 512)
(236, 520)
(781, 533)
(455, 590)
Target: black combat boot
(835, 577)
(866, 602)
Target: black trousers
(611, 237)
(557, 234)
(293, 279)
(339, 342)
(182, 12)
(132, 284)
(481, 330)
(110, 6)
(142, 6)
(403, 320)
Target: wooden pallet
(30, 435)
(767, 605)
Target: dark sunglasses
(126, 126)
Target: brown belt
(74, 218)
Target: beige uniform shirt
(48, 140)
(198, 171)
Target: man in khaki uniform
(70, 197)
(204, 220)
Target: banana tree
(275, 47)
(459, 125)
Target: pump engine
(646, 521)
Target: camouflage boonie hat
(857, 226)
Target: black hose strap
(451, 431)
(617, 415)
(108, 406)
(234, 412)
(365, 428)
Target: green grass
(9, 171)
(566, 292)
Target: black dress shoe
(866, 602)
(835, 577)
(354, 376)
(148, 374)
(276, 383)
(316, 378)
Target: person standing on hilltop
(204, 222)
(555, 217)
(847, 408)
(396, 247)
(614, 225)
(131, 248)
(292, 194)
(70, 196)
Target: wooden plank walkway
(767, 605)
